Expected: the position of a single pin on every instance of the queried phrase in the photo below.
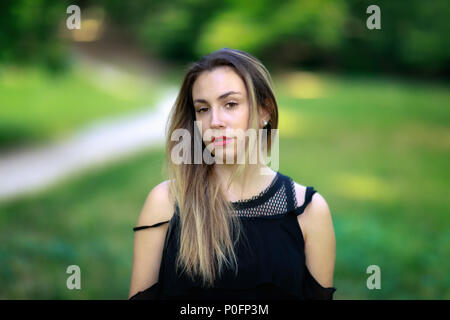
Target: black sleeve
(312, 290)
(150, 293)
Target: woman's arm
(149, 243)
(320, 243)
(318, 233)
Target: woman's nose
(216, 118)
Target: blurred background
(364, 118)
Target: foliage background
(364, 118)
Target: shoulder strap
(308, 197)
(291, 199)
(156, 224)
(152, 226)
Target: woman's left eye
(232, 104)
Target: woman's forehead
(212, 84)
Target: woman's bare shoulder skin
(149, 243)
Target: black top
(271, 259)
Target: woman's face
(221, 104)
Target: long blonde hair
(208, 230)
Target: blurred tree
(167, 28)
(29, 32)
(413, 36)
(282, 32)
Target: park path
(31, 169)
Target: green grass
(86, 221)
(38, 106)
(376, 149)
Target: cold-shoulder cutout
(149, 246)
(158, 208)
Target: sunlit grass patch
(292, 123)
(302, 85)
(363, 187)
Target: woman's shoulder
(316, 212)
(159, 205)
(317, 228)
(317, 201)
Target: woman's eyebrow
(223, 96)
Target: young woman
(229, 229)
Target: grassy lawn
(376, 149)
(86, 221)
(37, 106)
(378, 152)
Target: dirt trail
(33, 168)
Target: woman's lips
(221, 141)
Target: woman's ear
(264, 115)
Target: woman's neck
(253, 183)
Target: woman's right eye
(202, 110)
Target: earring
(265, 123)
